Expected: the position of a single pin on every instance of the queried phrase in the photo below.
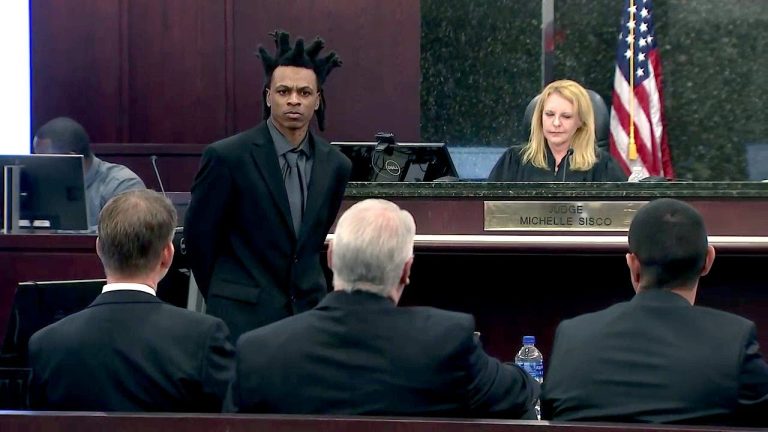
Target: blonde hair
(584, 148)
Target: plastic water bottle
(530, 359)
(636, 175)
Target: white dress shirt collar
(128, 286)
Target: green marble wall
(481, 66)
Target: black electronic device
(383, 161)
(39, 304)
(43, 191)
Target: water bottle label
(534, 369)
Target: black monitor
(401, 162)
(39, 304)
(51, 191)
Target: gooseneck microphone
(153, 158)
(564, 162)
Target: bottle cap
(529, 340)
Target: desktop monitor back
(401, 162)
(474, 163)
(39, 304)
(51, 191)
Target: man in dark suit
(658, 358)
(265, 199)
(358, 353)
(129, 351)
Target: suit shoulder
(189, 316)
(333, 152)
(513, 153)
(285, 326)
(54, 331)
(594, 318)
(235, 143)
(439, 319)
(723, 317)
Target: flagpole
(632, 146)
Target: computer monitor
(474, 163)
(401, 162)
(51, 191)
(39, 304)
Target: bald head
(62, 135)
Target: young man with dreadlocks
(264, 200)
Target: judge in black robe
(562, 145)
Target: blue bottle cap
(529, 340)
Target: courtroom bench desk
(460, 266)
(97, 422)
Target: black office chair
(602, 118)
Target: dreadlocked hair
(298, 56)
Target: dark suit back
(248, 261)
(129, 351)
(356, 353)
(654, 359)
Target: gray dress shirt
(104, 180)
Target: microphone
(564, 162)
(153, 158)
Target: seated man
(129, 351)
(103, 180)
(357, 353)
(658, 358)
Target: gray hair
(134, 227)
(372, 242)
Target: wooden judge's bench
(516, 281)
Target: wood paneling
(76, 62)
(177, 164)
(176, 73)
(376, 89)
(184, 71)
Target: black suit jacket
(129, 351)
(357, 353)
(247, 260)
(656, 359)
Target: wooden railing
(13, 421)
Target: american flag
(638, 132)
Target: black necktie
(294, 185)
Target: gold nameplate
(560, 215)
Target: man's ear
(406, 273)
(329, 254)
(166, 258)
(267, 97)
(634, 270)
(98, 247)
(708, 260)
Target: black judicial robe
(510, 168)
